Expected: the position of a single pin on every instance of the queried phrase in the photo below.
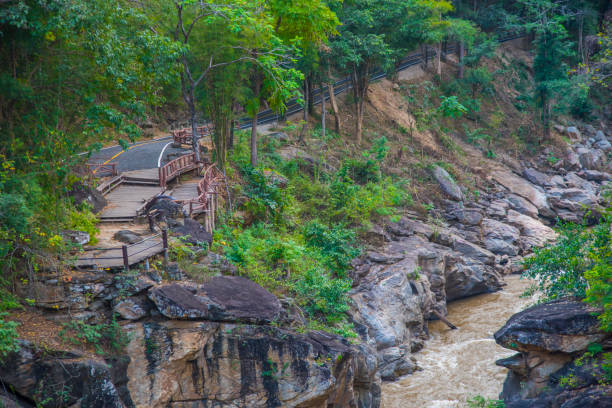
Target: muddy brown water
(460, 363)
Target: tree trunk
(438, 61)
(310, 97)
(580, 40)
(254, 141)
(358, 125)
(306, 100)
(461, 55)
(322, 112)
(332, 100)
(194, 129)
(230, 144)
(254, 123)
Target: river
(460, 363)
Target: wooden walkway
(186, 191)
(145, 176)
(125, 201)
(113, 257)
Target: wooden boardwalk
(186, 191)
(125, 201)
(113, 257)
(150, 176)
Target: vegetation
(578, 265)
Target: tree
(74, 74)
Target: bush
(337, 245)
(323, 295)
(8, 336)
(578, 265)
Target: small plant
(450, 107)
(97, 335)
(8, 336)
(478, 401)
(551, 159)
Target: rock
(376, 235)
(275, 178)
(469, 277)
(164, 207)
(468, 216)
(525, 189)
(473, 251)
(81, 193)
(536, 177)
(183, 364)
(75, 237)
(127, 237)
(559, 129)
(533, 232)
(223, 298)
(562, 326)
(594, 175)
(573, 133)
(523, 206)
(500, 238)
(132, 308)
(603, 145)
(447, 184)
(573, 161)
(592, 159)
(192, 232)
(499, 208)
(573, 199)
(553, 368)
(62, 378)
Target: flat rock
(127, 237)
(523, 206)
(223, 298)
(536, 177)
(523, 188)
(447, 184)
(192, 232)
(536, 233)
(562, 326)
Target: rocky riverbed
(222, 343)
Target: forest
(77, 76)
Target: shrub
(450, 107)
(8, 336)
(336, 244)
(579, 264)
(323, 295)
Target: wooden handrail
(176, 167)
(184, 135)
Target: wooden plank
(113, 257)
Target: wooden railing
(184, 135)
(102, 169)
(176, 167)
(207, 200)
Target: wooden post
(444, 320)
(165, 244)
(126, 262)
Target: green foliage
(84, 220)
(337, 245)
(100, 336)
(450, 107)
(478, 401)
(579, 264)
(323, 295)
(8, 336)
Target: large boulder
(59, 378)
(500, 238)
(447, 184)
(223, 298)
(184, 364)
(81, 193)
(553, 368)
(192, 232)
(467, 277)
(533, 232)
(525, 189)
(536, 177)
(563, 326)
(127, 237)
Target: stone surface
(127, 237)
(205, 364)
(533, 232)
(192, 232)
(525, 189)
(223, 298)
(536, 177)
(63, 378)
(447, 184)
(500, 238)
(562, 326)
